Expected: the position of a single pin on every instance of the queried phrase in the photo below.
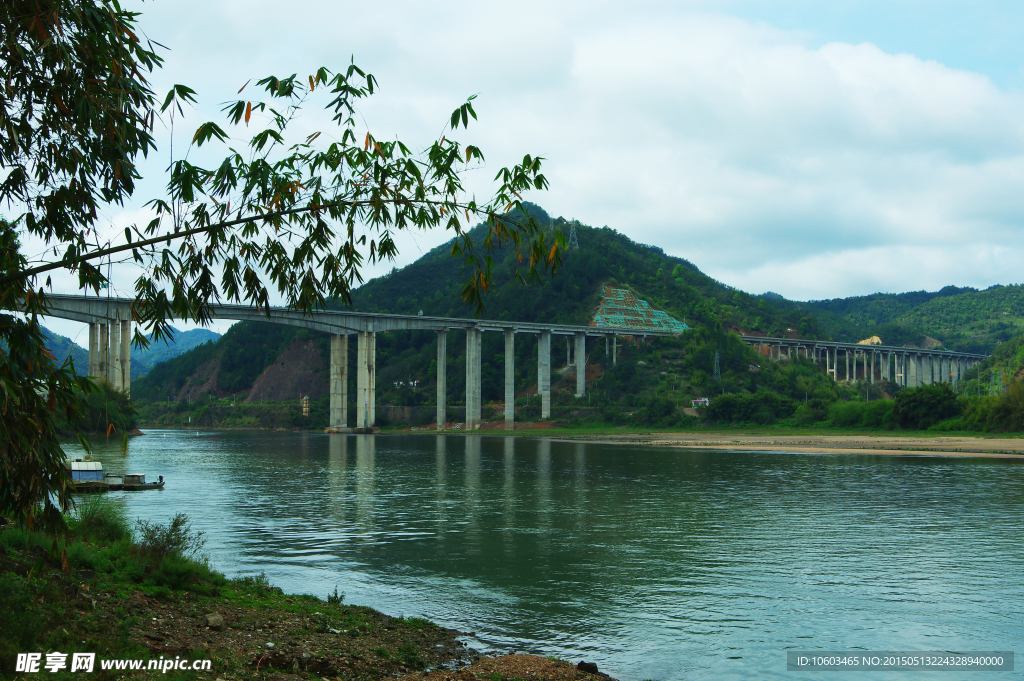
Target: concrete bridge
(109, 321)
(907, 367)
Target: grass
(121, 581)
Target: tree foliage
(299, 214)
(920, 408)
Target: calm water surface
(654, 563)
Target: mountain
(963, 319)
(62, 346)
(247, 354)
(143, 361)
(260, 362)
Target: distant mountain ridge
(142, 360)
(962, 318)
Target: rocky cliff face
(203, 381)
(297, 371)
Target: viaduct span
(109, 322)
(907, 367)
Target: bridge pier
(581, 364)
(473, 387)
(872, 367)
(339, 381)
(114, 354)
(104, 354)
(510, 379)
(126, 356)
(846, 356)
(366, 379)
(544, 373)
(442, 378)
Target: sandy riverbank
(964, 446)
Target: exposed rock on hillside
(299, 370)
(203, 381)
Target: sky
(816, 150)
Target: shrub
(175, 538)
(920, 408)
(100, 519)
(845, 414)
(876, 414)
(176, 572)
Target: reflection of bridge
(109, 322)
(907, 367)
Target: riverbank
(147, 601)
(890, 445)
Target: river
(654, 563)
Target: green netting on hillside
(620, 308)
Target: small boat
(136, 482)
(87, 475)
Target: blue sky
(975, 36)
(815, 149)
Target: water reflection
(366, 489)
(655, 563)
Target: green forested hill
(62, 346)
(964, 319)
(432, 285)
(144, 360)
(663, 372)
(973, 321)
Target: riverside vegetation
(216, 384)
(145, 591)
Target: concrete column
(887, 367)
(568, 351)
(580, 353)
(510, 378)
(615, 349)
(366, 379)
(846, 354)
(94, 350)
(126, 356)
(442, 378)
(872, 367)
(915, 371)
(114, 367)
(339, 381)
(102, 368)
(473, 387)
(926, 369)
(373, 378)
(544, 373)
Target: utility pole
(717, 375)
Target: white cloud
(771, 163)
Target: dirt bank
(965, 446)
